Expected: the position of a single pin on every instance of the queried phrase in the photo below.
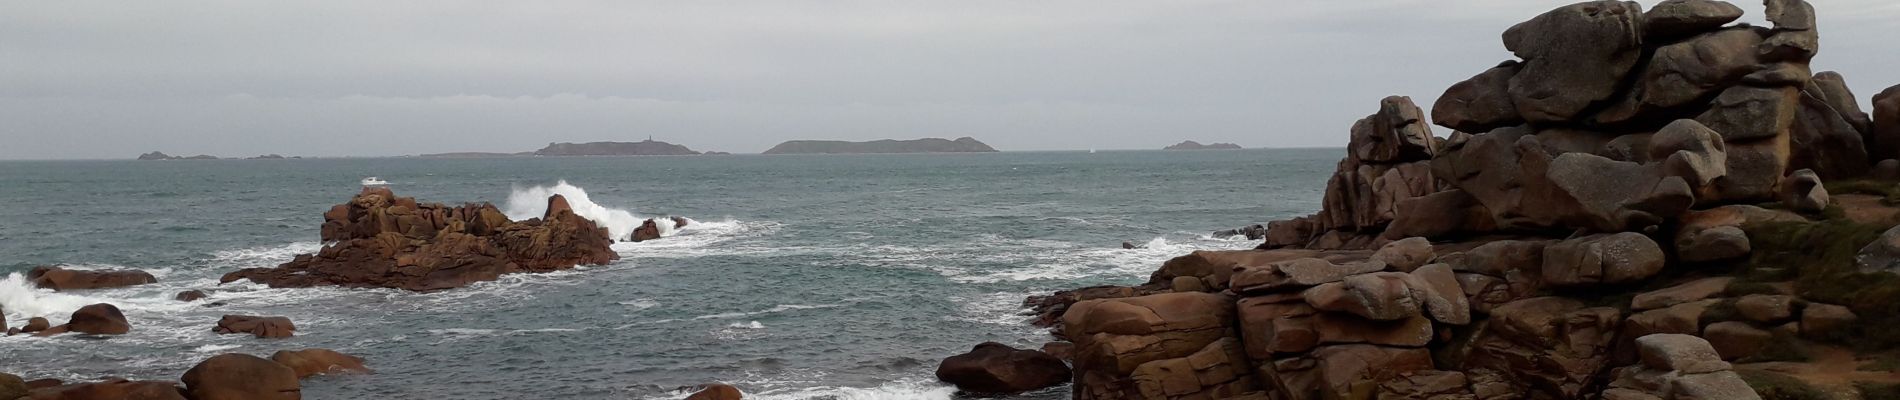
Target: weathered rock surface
(379, 240)
(262, 327)
(312, 362)
(110, 389)
(1886, 125)
(1674, 18)
(99, 319)
(236, 376)
(61, 279)
(1574, 56)
(1618, 258)
(1547, 346)
(1480, 104)
(1678, 367)
(1126, 348)
(996, 368)
(1805, 192)
(1695, 290)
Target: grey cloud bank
(367, 78)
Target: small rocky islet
(1646, 205)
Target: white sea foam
(776, 309)
(747, 325)
(900, 390)
(1064, 261)
(640, 304)
(261, 256)
(532, 202)
(22, 300)
(215, 348)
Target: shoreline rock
(1598, 225)
(61, 279)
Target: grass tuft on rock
(1877, 391)
(1819, 258)
(1888, 191)
(1775, 386)
(1783, 347)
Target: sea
(801, 276)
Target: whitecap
(215, 348)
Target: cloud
(356, 77)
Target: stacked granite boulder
(1568, 240)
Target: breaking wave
(532, 202)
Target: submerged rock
(262, 327)
(717, 391)
(236, 376)
(61, 279)
(312, 362)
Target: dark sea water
(807, 277)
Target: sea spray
(532, 202)
(22, 300)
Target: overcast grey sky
(111, 79)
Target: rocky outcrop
(1387, 164)
(261, 327)
(995, 368)
(925, 145)
(311, 362)
(1636, 199)
(61, 279)
(380, 240)
(241, 377)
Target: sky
(112, 79)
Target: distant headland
(1193, 145)
(925, 145)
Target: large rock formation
(1571, 240)
(380, 240)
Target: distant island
(1193, 145)
(647, 147)
(926, 145)
(153, 156)
(475, 154)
